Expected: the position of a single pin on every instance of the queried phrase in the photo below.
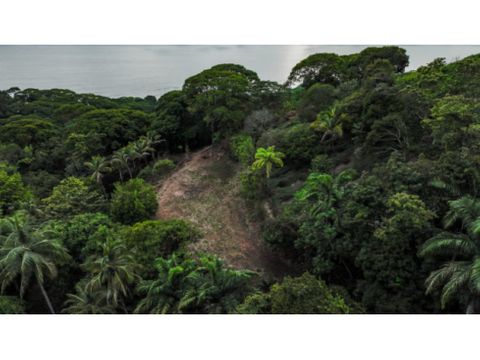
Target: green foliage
(252, 184)
(258, 122)
(329, 125)
(158, 170)
(111, 129)
(12, 189)
(98, 167)
(458, 278)
(26, 130)
(86, 301)
(318, 98)
(152, 239)
(72, 197)
(333, 69)
(454, 122)
(26, 253)
(373, 159)
(323, 68)
(174, 122)
(391, 269)
(193, 286)
(133, 201)
(266, 159)
(79, 234)
(318, 208)
(11, 305)
(396, 56)
(12, 153)
(302, 295)
(163, 167)
(111, 271)
(321, 164)
(243, 148)
(41, 182)
(298, 142)
(220, 97)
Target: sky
(140, 70)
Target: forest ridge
(361, 177)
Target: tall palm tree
(114, 271)
(87, 302)
(99, 166)
(153, 140)
(329, 124)
(459, 277)
(132, 154)
(144, 148)
(266, 158)
(120, 159)
(26, 253)
(325, 189)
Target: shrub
(243, 148)
(76, 233)
(298, 142)
(252, 185)
(163, 167)
(11, 305)
(258, 122)
(317, 98)
(302, 295)
(321, 164)
(158, 170)
(152, 239)
(12, 189)
(133, 201)
(71, 197)
(280, 234)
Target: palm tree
(329, 124)
(143, 147)
(99, 166)
(214, 288)
(188, 286)
(324, 189)
(25, 253)
(120, 159)
(163, 294)
(86, 302)
(112, 272)
(266, 158)
(132, 154)
(461, 275)
(323, 193)
(153, 140)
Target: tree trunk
(129, 172)
(47, 300)
(103, 190)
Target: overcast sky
(152, 70)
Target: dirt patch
(205, 191)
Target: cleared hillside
(205, 191)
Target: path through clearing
(205, 191)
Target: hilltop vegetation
(362, 176)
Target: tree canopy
(355, 183)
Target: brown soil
(205, 191)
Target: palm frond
(448, 244)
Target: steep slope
(205, 191)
